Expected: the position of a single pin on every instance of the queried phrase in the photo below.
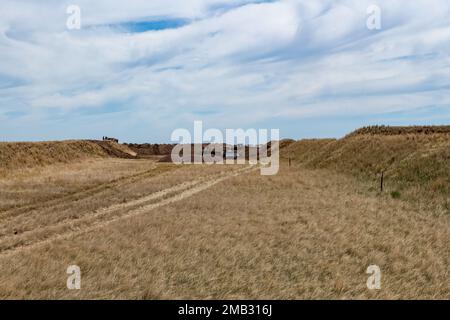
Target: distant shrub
(393, 130)
(395, 194)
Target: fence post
(382, 181)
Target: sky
(139, 69)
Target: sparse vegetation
(389, 130)
(395, 194)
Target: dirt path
(100, 218)
(87, 192)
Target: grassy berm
(415, 160)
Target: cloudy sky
(138, 69)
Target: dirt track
(22, 229)
(14, 211)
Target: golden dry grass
(16, 156)
(416, 165)
(35, 185)
(301, 234)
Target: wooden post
(382, 181)
(289, 161)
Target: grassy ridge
(414, 164)
(20, 155)
(388, 130)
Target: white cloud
(240, 61)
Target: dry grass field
(142, 229)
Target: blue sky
(139, 69)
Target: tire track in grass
(54, 205)
(76, 195)
(114, 213)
